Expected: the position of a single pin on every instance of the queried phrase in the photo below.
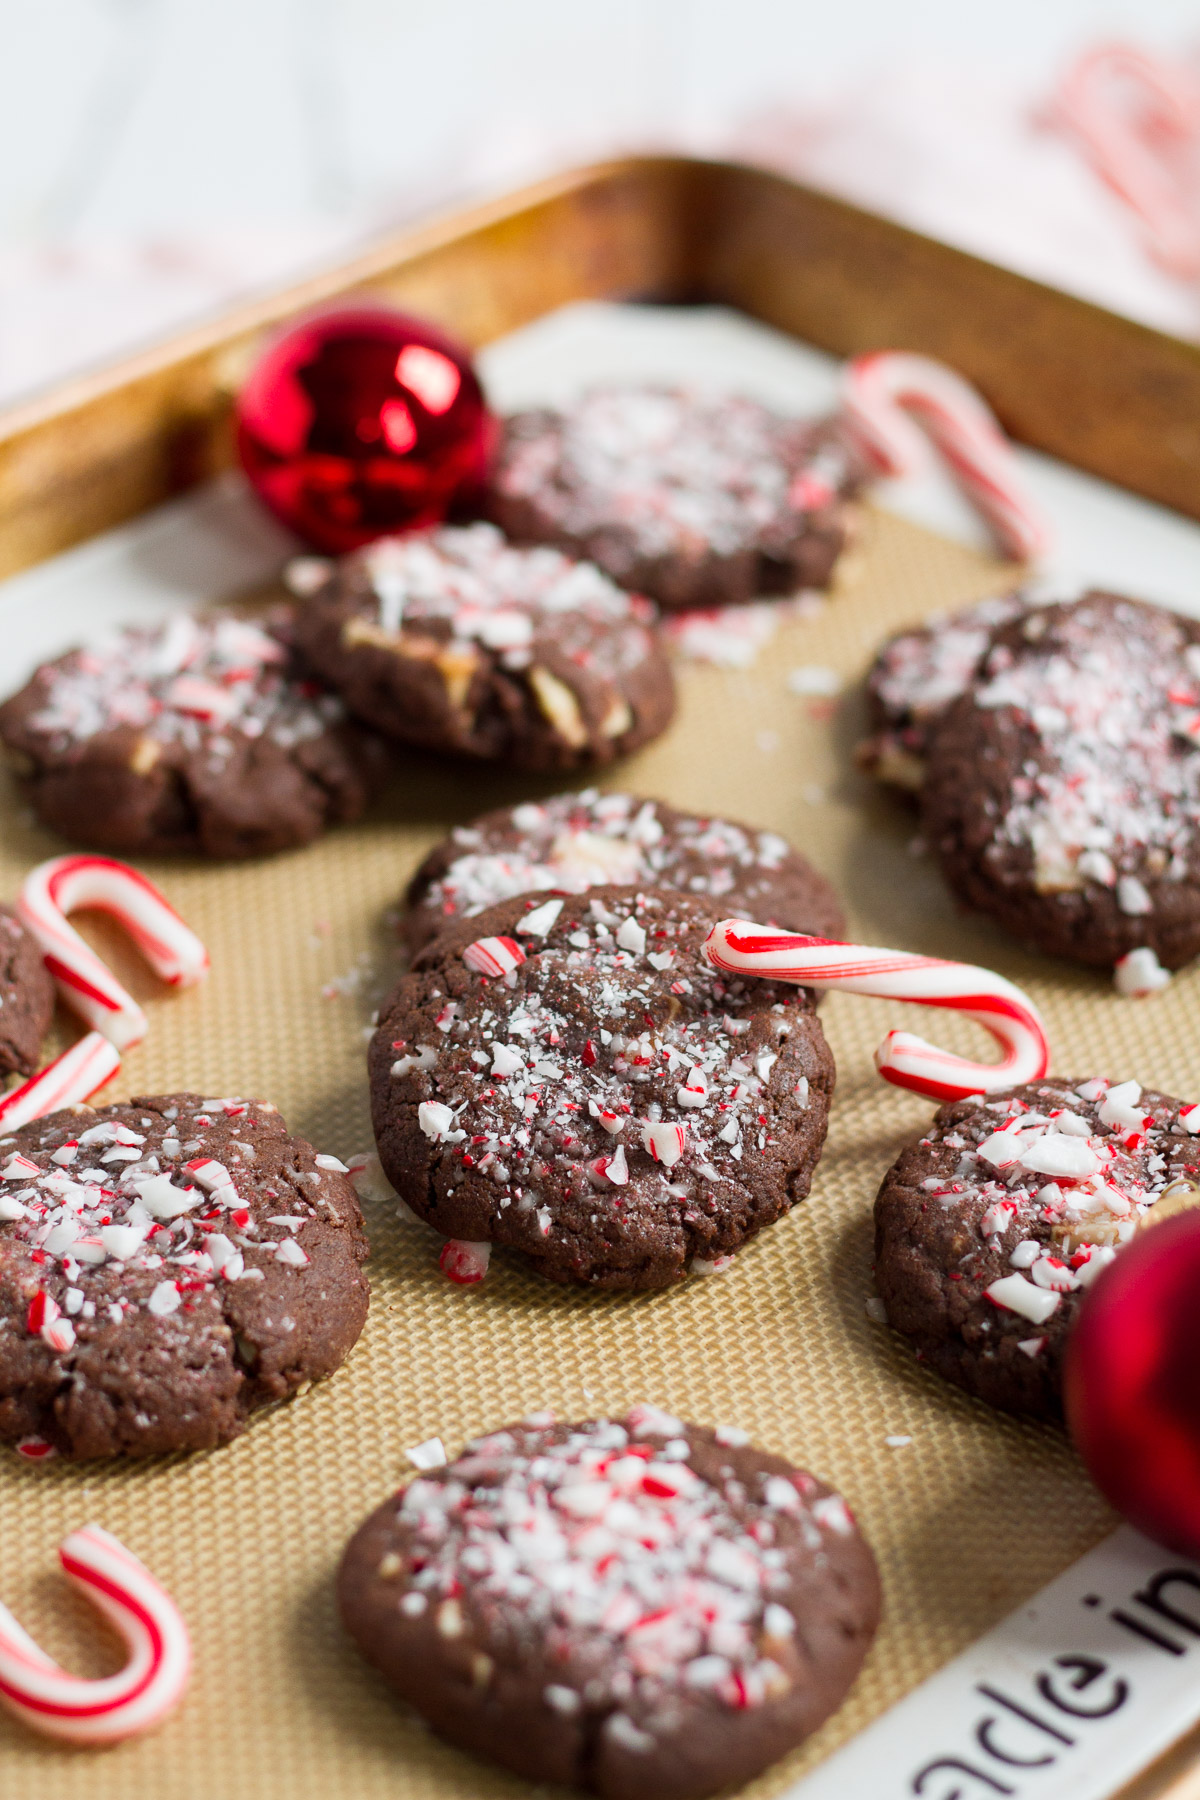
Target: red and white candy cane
(887, 394)
(903, 1059)
(82, 1711)
(1138, 120)
(65, 883)
(69, 1080)
(174, 951)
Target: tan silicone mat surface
(967, 1520)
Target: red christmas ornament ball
(360, 422)
(1132, 1382)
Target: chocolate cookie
(201, 734)
(695, 501)
(1063, 789)
(456, 640)
(166, 1267)
(572, 842)
(642, 1608)
(26, 997)
(611, 1105)
(988, 1229)
(917, 675)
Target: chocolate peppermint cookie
(695, 501)
(642, 1608)
(571, 1078)
(572, 842)
(917, 675)
(456, 640)
(988, 1230)
(166, 1267)
(201, 734)
(1062, 796)
(26, 997)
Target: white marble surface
(161, 156)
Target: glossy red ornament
(363, 421)
(1132, 1381)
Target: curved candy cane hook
(879, 393)
(902, 1058)
(174, 952)
(1128, 146)
(47, 1698)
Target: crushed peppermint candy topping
(1050, 1182)
(653, 1559)
(730, 637)
(918, 674)
(470, 582)
(429, 1455)
(35, 1449)
(190, 681)
(1111, 796)
(140, 1218)
(589, 1096)
(463, 1263)
(663, 470)
(1139, 973)
(573, 842)
(493, 956)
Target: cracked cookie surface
(198, 735)
(166, 1267)
(1062, 788)
(611, 1105)
(456, 640)
(695, 500)
(640, 1607)
(989, 1230)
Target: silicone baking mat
(967, 1519)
